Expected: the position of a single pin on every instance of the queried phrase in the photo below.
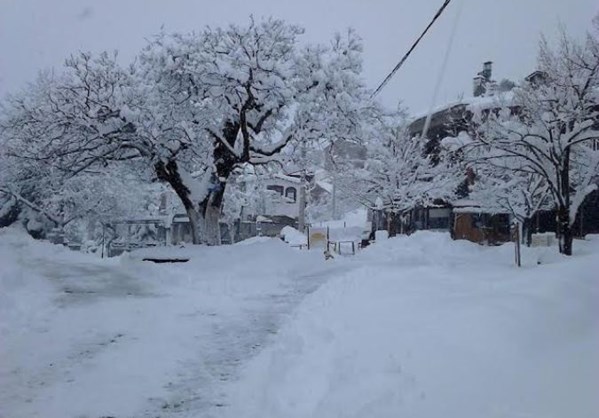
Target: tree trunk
(527, 231)
(204, 216)
(212, 225)
(517, 240)
(224, 164)
(211, 210)
(169, 172)
(392, 223)
(563, 209)
(194, 221)
(564, 230)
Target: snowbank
(86, 337)
(293, 237)
(355, 218)
(417, 326)
(428, 327)
(254, 240)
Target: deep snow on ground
(426, 327)
(416, 326)
(84, 337)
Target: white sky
(36, 34)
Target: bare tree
(192, 108)
(258, 90)
(550, 130)
(399, 174)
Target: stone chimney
(482, 82)
(537, 78)
(487, 71)
(478, 86)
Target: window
(291, 194)
(277, 189)
(438, 218)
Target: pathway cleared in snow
(420, 327)
(426, 327)
(83, 337)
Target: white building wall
(286, 204)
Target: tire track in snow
(202, 391)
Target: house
(452, 118)
(277, 204)
(462, 219)
(282, 206)
(434, 217)
(468, 220)
(472, 222)
(284, 197)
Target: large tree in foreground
(193, 108)
(550, 131)
(254, 90)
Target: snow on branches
(545, 141)
(399, 174)
(191, 109)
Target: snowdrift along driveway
(417, 327)
(84, 337)
(426, 327)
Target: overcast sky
(36, 34)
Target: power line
(405, 57)
(427, 122)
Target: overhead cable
(405, 57)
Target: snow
(418, 326)
(293, 237)
(254, 240)
(355, 218)
(288, 178)
(86, 337)
(426, 327)
(326, 186)
(351, 233)
(381, 236)
(471, 103)
(352, 227)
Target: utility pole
(301, 218)
(301, 221)
(334, 198)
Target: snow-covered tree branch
(548, 135)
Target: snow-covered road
(426, 327)
(83, 337)
(417, 326)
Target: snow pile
(417, 326)
(21, 299)
(355, 218)
(254, 240)
(427, 327)
(293, 237)
(346, 234)
(86, 337)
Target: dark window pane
(278, 189)
(291, 194)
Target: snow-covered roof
(478, 209)
(291, 179)
(464, 202)
(486, 102)
(326, 186)
(481, 102)
(472, 206)
(134, 221)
